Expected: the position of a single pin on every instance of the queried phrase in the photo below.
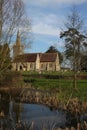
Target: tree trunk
(1, 6)
(75, 67)
(74, 80)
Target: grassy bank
(57, 82)
(63, 86)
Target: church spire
(18, 40)
(18, 47)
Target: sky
(47, 20)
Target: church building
(33, 61)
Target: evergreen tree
(75, 41)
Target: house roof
(48, 57)
(31, 57)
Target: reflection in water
(23, 111)
(31, 112)
(17, 110)
(4, 105)
(37, 113)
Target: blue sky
(47, 18)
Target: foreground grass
(55, 84)
(63, 87)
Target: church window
(31, 65)
(42, 65)
(51, 65)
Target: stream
(33, 115)
(38, 114)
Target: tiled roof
(48, 57)
(30, 57)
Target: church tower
(18, 48)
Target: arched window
(31, 65)
(21, 68)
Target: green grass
(52, 72)
(63, 86)
(27, 73)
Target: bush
(11, 79)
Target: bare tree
(12, 18)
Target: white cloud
(54, 2)
(43, 28)
(58, 44)
(48, 17)
(47, 24)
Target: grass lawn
(64, 87)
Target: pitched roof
(30, 57)
(48, 57)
